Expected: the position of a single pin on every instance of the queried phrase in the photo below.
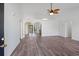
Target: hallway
(47, 46)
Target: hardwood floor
(47, 46)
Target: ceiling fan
(53, 11)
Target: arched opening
(31, 29)
(28, 28)
(38, 28)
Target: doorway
(28, 28)
(33, 29)
(38, 28)
(1, 29)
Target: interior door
(1, 29)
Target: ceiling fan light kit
(53, 11)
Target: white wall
(50, 28)
(75, 30)
(65, 28)
(75, 25)
(11, 27)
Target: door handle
(3, 46)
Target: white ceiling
(40, 10)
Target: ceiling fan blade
(50, 10)
(56, 12)
(56, 9)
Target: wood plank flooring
(47, 46)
